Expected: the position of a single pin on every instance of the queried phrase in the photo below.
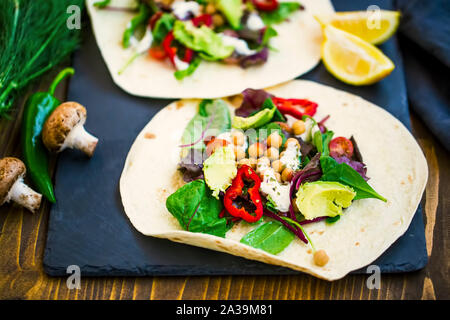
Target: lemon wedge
(372, 26)
(353, 60)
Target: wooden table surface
(23, 237)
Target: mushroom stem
(25, 196)
(79, 138)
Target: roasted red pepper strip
(172, 51)
(265, 5)
(204, 19)
(188, 55)
(167, 45)
(295, 107)
(237, 188)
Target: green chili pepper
(140, 19)
(37, 108)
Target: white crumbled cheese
(146, 42)
(278, 193)
(254, 22)
(181, 9)
(179, 64)
(308, 134)
(227, 137)
(290, 158)
(239, 45)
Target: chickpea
(218, 20)
(272, 153)
(238, 138)
(256, 150)
(252, 163)
(210, 8)
(321, 258)
(274, 140)
(236, 100)
(287, 174)
(239, 153)
(264, 161)
(244, 161)
(282, 154)
(298, 127)
(291, 140)
(277, 166)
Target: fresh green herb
(197, 210)
(34, 38)
(138, 21)
(343, 173)
(213, 112)
(181, 74)
(102, 3)
(284, 10)
(271, 237)
(162, 26)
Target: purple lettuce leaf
(255, 59)
(356, 165)
(192, 165)
(253, 100)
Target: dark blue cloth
(425, 46)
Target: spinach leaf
(278, 116)
(271, 237)
(212, 112)
(343, 173)
(197, 210)
(283, 11)
(162, 27)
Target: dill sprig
(34, 38)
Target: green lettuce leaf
(202, 39)
(284, 10)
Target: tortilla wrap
(396, 166)
(298, 51)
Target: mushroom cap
(58, 125)
(11, 169)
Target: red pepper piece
(266, 5)
(167, 45)
(204, 19)
(245, 173)
(295, 107)
(158, 53)
(188, 55)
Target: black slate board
(88, 226)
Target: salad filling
(278, 171)
(187, 32)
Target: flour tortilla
(298, 44)
(396, 167)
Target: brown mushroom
(12, 187)
(64, 128)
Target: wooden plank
(22, 242)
